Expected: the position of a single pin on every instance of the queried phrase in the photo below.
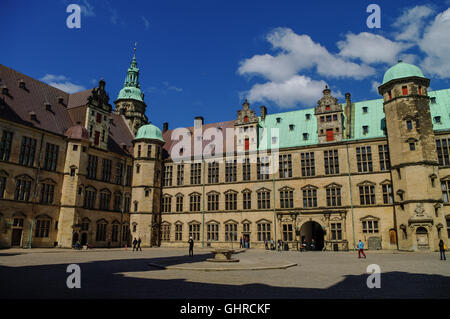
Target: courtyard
(120, 273)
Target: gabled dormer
(329, 118)
(246, 126)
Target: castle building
(73, 169)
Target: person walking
(442, 249)
(361, 249)
(313, 244)
(134, 244)
(139, 244)
(191, 246)
(241, 243)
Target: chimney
(348, 116)
(198, 121)
(347, 99)
(263, 111)
(165, 127)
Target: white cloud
(411, 22)
(371, 48)
(436, 44)
(297, 53)
(87, 9)
(375, 85)
(146, 22)
(62, 82)
(289, 93)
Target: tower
(130, 101)
(329, 118)
(145, 218)
(413, 158)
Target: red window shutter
(99, 118)
(245, 118)
(330, 135)
(405, 90)
(327, 107)
(96, 137)
(247, 144)
(420, 90)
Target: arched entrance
(312, 230)
(422, 237)
(84, 239)
(74, 238)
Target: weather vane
(135, 44)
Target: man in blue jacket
(361, 249)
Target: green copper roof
(401, 70)
(149, 131)
(131, 88)
(365, 113)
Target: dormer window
(22, 84)
(5, 90)
(48, 107)
(305, 136)
(409, 125)
(291, 127)
(308, 116)
(60, 100)
(433, 100)
(278, 119)
(364, 109)
(245, 118)
(437, 119)
(365, 129)
(33, 116)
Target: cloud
(375, 85)
(289, 93)
(62, 82)
(297, 53)
(436, 44)
(146, 22)
(411, 22)
(87, 9)
(371, 48)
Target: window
(305, 136)
(126, 233)
(230, 171)
(383, 152)
(136, 206)
(47, 193)
(5, 145)
(85, 225)
(409, 125)
(370, 226)
(178, 232)
(308, 166)
(445, 190)
(246, 144)
(127, 207)
(89, 198)
(412, 146)
(437, 119)
(264, 231)
(119, 173)
(212, 232)
(336, 231)
(231, 232)
(420, 90)
(194, 202)
(138, 168)
(139, 151)
(115, 233)
(287, 198)
(390, 95)
(180, 174)
(149, 150)
(365, 129)
(51, 157)
(245, 227)
(2, 186)
(99, 118)
(291, 127)
(328, 118)
(101, 231)
(158, 152)
(42, 228)
(364, 109)
(194, 231)
(92, 167)
(262, 168)
(231, 200)
(367, 194)
(196, 172)
(246, 199)
(285, 163)
(443, 150)
(404, 90)
(27, 151)
(23, 189)
(117, 202)
(129, 175)
(334, 195)
(387, 194)
(167, 175)
(263, 199)
(308, 116)
(213, 201)
(364, 159)
(179, 203)
(166, 204)
(331, 161)
(165, 232)
(287, 232)
(310, 197)
(246, 169)
(433, 100)
(106, 169)
(105, 199)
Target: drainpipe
(33, 204)
(351, 198)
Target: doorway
(84, 239)
(422, 237)
(246, 239)
(312, 230)
(16, 237)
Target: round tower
(145, 215)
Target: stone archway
(312, 230)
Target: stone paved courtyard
(116, 273)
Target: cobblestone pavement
(116, 273)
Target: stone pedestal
(222, 255)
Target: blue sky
(204, 57)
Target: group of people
(137, 244)
(244, 243)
